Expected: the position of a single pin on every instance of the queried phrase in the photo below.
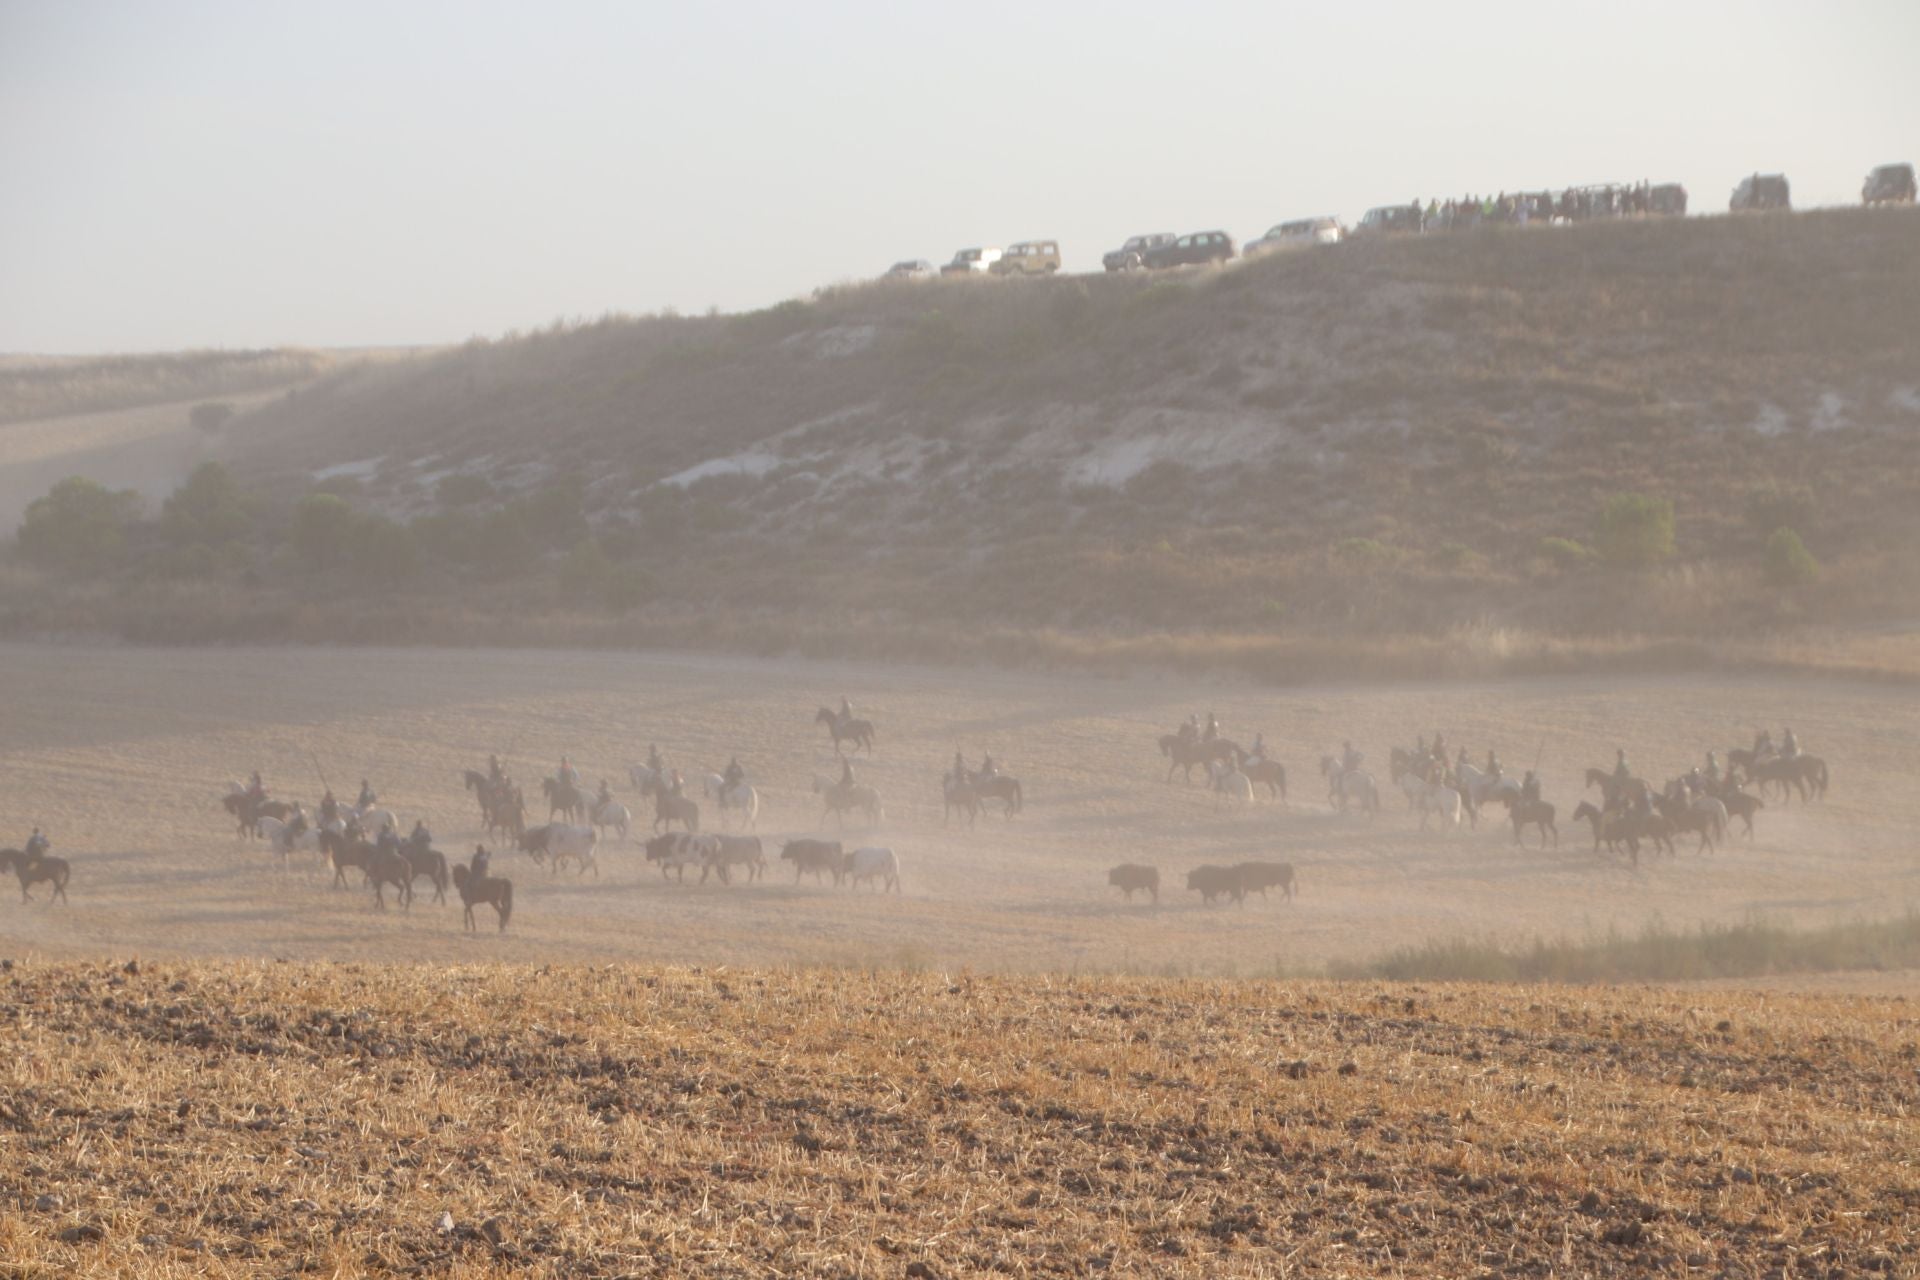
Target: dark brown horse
(1805, 774)
(564, 798)
(389, 867)
(1268, 773)
(41, 870)
(1002, 788)
(1185, 753)
(1533, 813)
(248, 811)
(493, 891)
(430, 863)
(858, 732)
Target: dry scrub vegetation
(287, 1120)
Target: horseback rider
(1789, 745)
(846, 711)
(421, 839)
(1212, 730)
(568, 775)
(1259, 753)
(959, 769)
(733, 776)
(478, 863)
(1620, 771)
(676, 783)
(1439, 749)
(1189, 731)
(1713, 768)
(1493, 764)
(38, 844)
(846, 771)
(1530, 788)
(367, 799)
(329, 809)
(603, 797)
(988, 769)
(388, 841)
(1349, 758)
(256, 790)
(494, 771)
(655, 762)
(1763, 745)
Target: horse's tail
(506, 903)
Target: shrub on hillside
(1789, 563)
(209, 509)
(78, 526)
(380, 551)
(1363, 554)
(1770, 507)
(1565, 554)
(1635, 531)
(322, 531)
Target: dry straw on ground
(337, 1120)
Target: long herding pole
(324, 784)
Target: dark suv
(1761, 193)
(1190, 250)
(1132, 255)
(1889, 184)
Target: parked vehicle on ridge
(1761, 193)
(1193, 249)
(911, 269)
(1029, 258)
(1297, 234)
(1889, 184)
(970, 262)
(1131, 256)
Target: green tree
(78, 526)
(322, 531)
(381, 551)
(1789, 563)
(209, 509)
(1635, 531)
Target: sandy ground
(122, 753)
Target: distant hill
(1391, 436)
(34, 387)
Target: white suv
(969, 261)
(1296, 235)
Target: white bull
(875, 863)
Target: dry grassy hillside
(33, 387)
(1391, 438)
(168, 1120)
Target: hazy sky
(179, 173)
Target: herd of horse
(1631, 811)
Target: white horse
(1231, 783)
(1479, 789)
(743, 797)
(648, 782)
(283, 838)
(613, 814)
(372, 820)
(1444, 801)
(1350, 786)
